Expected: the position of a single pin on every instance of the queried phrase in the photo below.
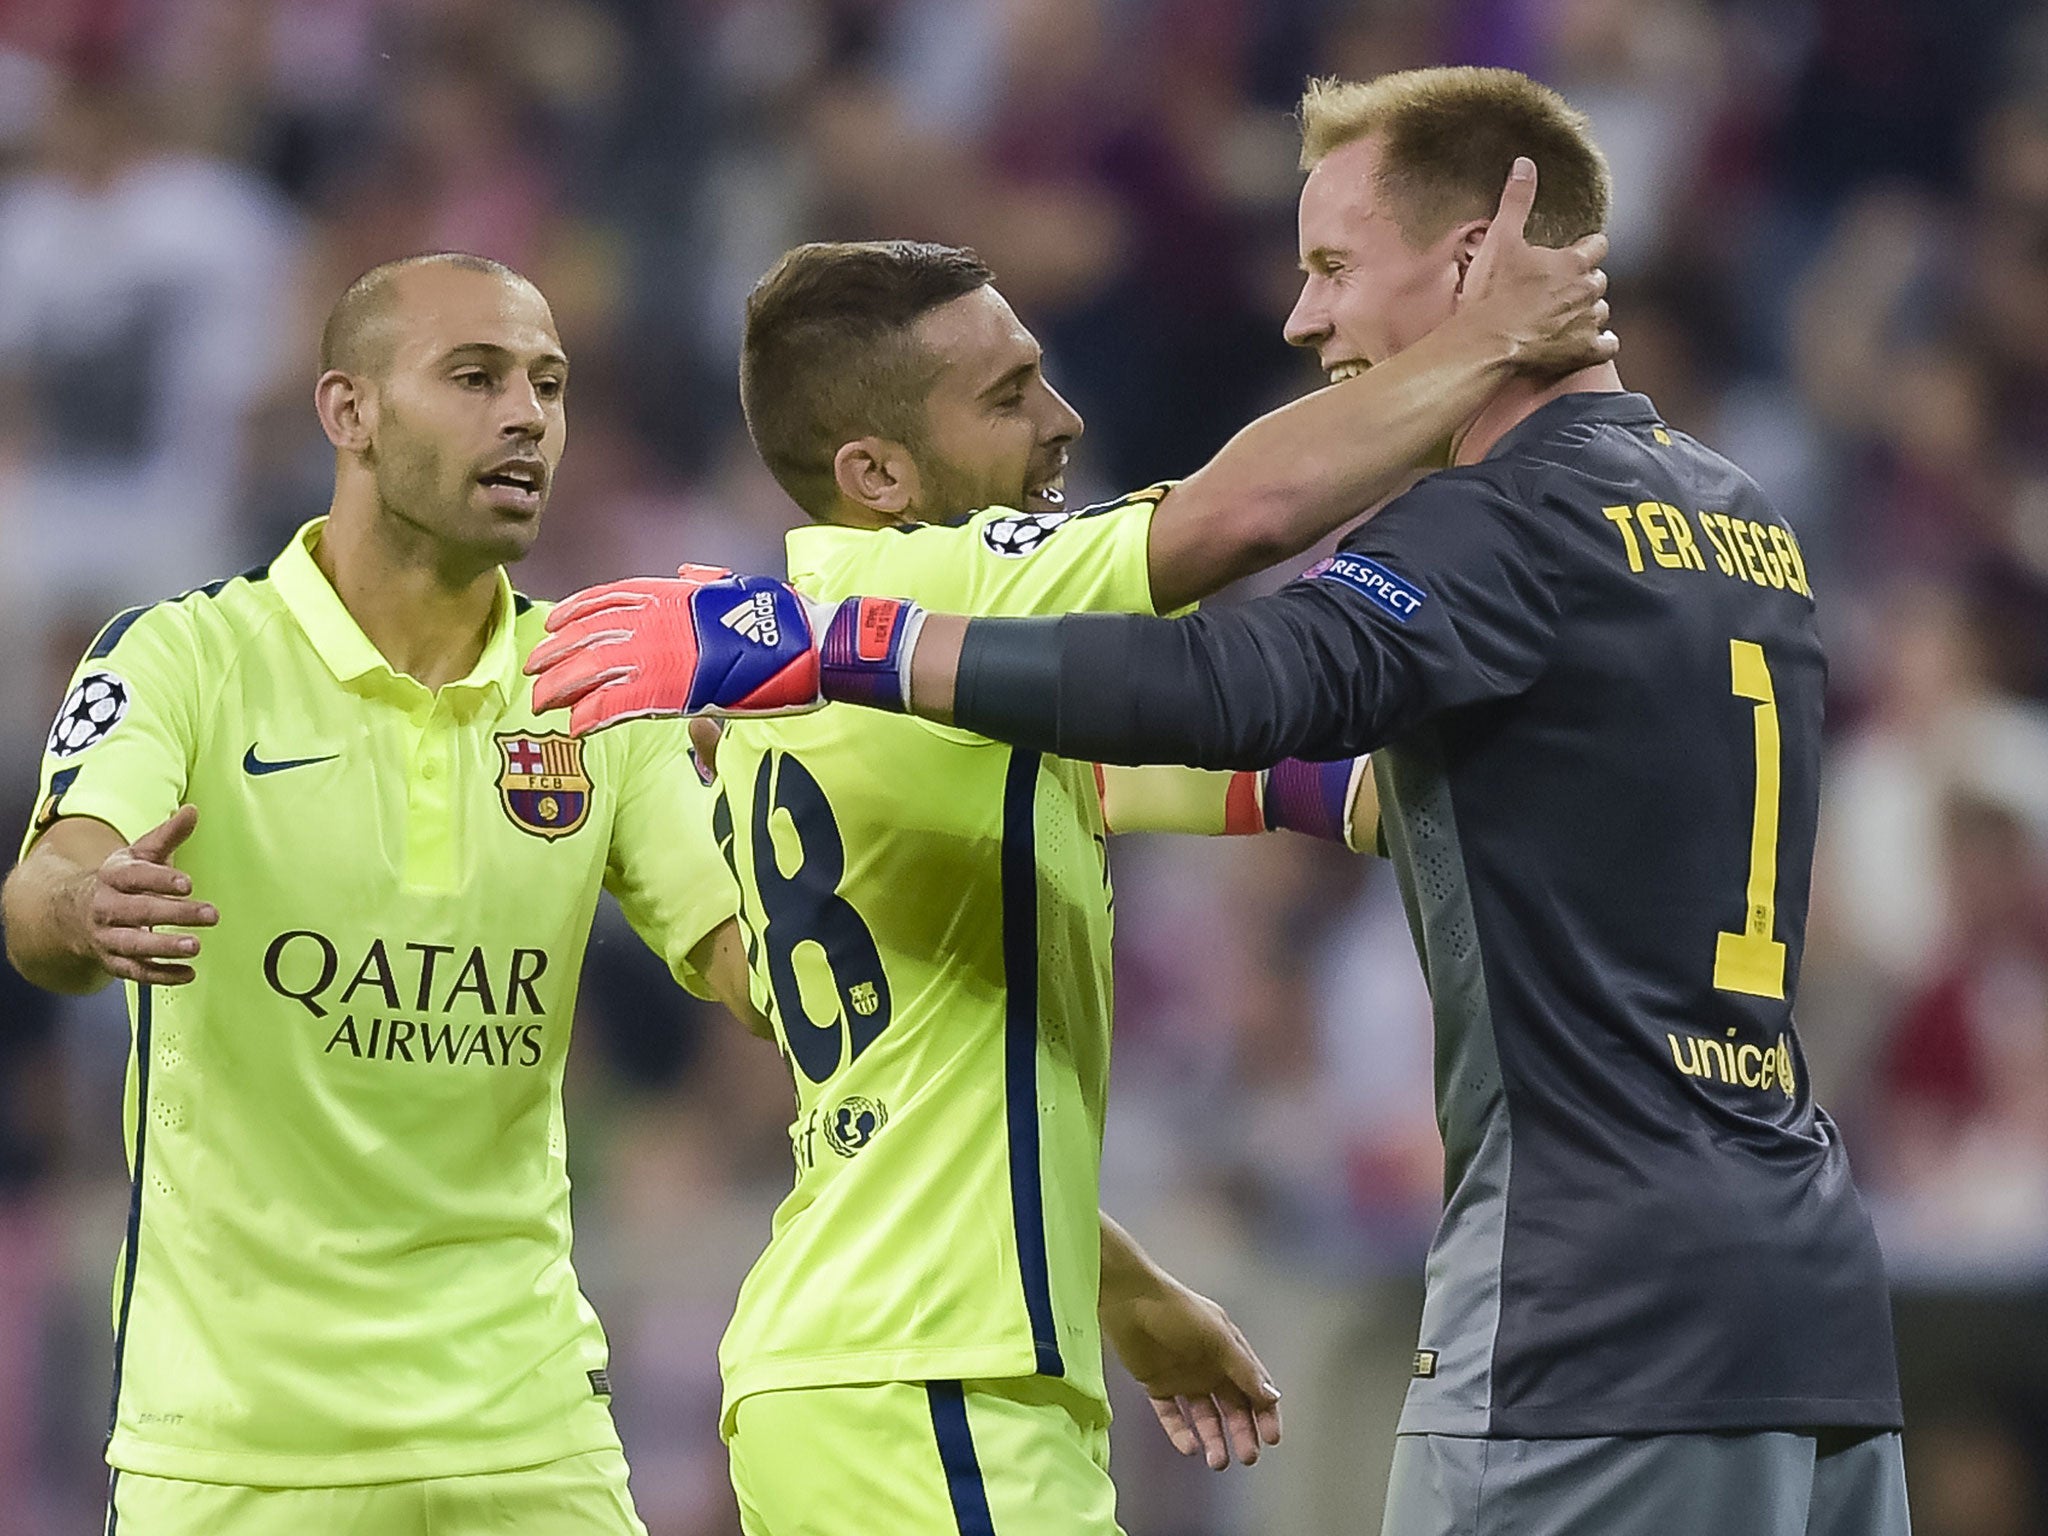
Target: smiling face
(1367, 292)
(459, 404)
(994, 433)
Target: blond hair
(1448, 138)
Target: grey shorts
(1830, 1483)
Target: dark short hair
(828, 354)
(355, 339)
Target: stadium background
(1830, 260)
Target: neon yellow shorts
(912, 1458)
(576, 1496)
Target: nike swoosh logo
(255, 766)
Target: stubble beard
(952, 492)
(422, 509)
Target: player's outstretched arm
(1211, 1394)
(84, 906)
(1298, 474)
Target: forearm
(48, 940)
(1297, 474)
(1334, 801)
(721, 959)
(1127, 1270)
(1237, 688)
(1168, 797)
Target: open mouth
(1048, 494)
(1339, 372)
(517, 484)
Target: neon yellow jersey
(928, 926)
(347, 1257)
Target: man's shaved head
(442, 388)
(357, 337)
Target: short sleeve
(665, 866)
(1007, 564)
(122, 745)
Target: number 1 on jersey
(1752, 961)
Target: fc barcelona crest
(543, 786)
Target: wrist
(1129, 1283)
(864, 650)
(1312, 798)
(1127, 1271)
(75, 932)
(1482, 336)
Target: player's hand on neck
(1556, 295)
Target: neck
(1520, 398)
(852, 514)
(427, 610)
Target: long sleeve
(1449, 597)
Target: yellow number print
(1752, 961)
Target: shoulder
(1458, 531)
(1013, 534)
(1146, 496)
(219, 616)
(1717, 477)
(162, 658)
(1448, 508)
(1489, 483)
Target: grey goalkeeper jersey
(1588, 669)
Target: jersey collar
(348, 652)
(1619, 408)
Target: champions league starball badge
(90, 713)
(1016, 536)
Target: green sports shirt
(347, 1255)
(927, 915)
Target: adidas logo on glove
(754, 620)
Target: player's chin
(506, 533)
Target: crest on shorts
(542, 785)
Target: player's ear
(347, 410)
(877, 473)
(1465, 241)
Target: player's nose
(1306, 325)
(1064, 424)
(524, 413)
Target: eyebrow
(497, 354)
(1319, 257)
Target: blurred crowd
(1830, 261)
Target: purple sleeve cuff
(1314, 798)
(864, 652)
